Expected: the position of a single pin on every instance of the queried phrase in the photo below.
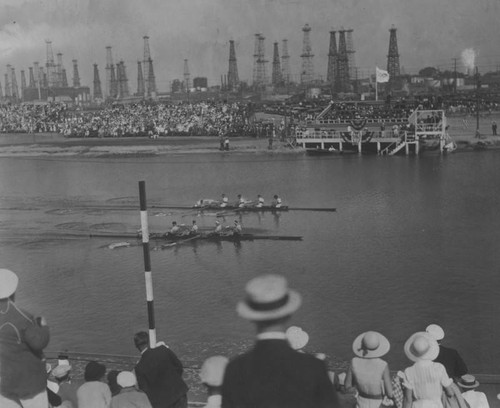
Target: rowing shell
(244, 208)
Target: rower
(218, 228)
(175, 229)
(276, 202)
(260, 201)
(194, 228)
(242, 202)
(206, 203)
(237, 230)
(224, 201)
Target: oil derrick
(259, 69)
(97, 84)
(32, 83)
(343, 64)
(149, 76)
(332, 59)
(23, 83)
(307, 72)
(36, 72)
(232, 73)
(187, 86)
(7, 86)
(123, 80)
(64, 78)
(13, 81)
(285, 63)
(140, 80)
(76, 75)
(350, 53)
(276, 76)
(50, 66)
(393, 56)
(59, 69)
(1, 92)
(111, 83)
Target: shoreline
(55, 145)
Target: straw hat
(61, 370)
(468, 381)
(267, 298)
(212, 370)
(126, 379)
(421, 346)
(8, 283)
(370, 344)
(435, 331)
(297, 337)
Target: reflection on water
(413, 241)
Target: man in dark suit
(453, 363)
(272, 374)
(159, 374)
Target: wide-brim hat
(371, 344)
(297, 337)
(212, 370)
(435, 331)
(467, 381)
(267, 298)
(8, 283)
(421, 346)
(61, 370)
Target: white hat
(212, 370)
(467, 381)
(297, 337)
(435, 331)
(8, 283)
(268, 298)
(371, 344)
(126, 379)
(421, 346)
(61, 370)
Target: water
(414, 241)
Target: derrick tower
(187, 85)
(13, 81)
(7, 85)
(393, 56)
(23, 81)
(76, 75)
(307, 73)
(276, 76)
(140, 80)
(149, 76)
(32, 83)
(285, 63)
(350, 53)
(50, 66)
(97, 84)
(122, 80)
(38, 74)
(64, 78)
(59, 68)
(1, 92)
(111, 82)
(332, 59)
(343, 64)
(232, 73)
(259, 68)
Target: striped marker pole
(147, 264)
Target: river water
(415, 240)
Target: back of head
(126, 379)
(141, 340)
(8, 283)
(94, 371)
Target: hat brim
(381, 350)
(431, 354)
(462, 385)
(294, 302)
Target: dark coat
(453, 363)
(273, 375)
(159, 375)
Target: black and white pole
(147, 264)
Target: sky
(429, 32)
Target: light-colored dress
(368, 378)
(426, 379)
(94, 394)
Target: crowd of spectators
(277, 372)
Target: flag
(381, 75)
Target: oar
(311, 209)
(182, 241)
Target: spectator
(159, 374)
(368, 373)
(494, 127)
(475, 399)
(272, 374)
(425, 380)
(112, 382)
(52, 389)
(453, 363)
(211, 375)
(129, 396)
(67, 386)
(94, 393)
(23, 337)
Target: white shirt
(214, 401)
(476, 399)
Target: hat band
(263, 307)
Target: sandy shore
(51, 144)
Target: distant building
(66, 94)
(200, 82)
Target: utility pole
(478, 84)
(455, 75)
